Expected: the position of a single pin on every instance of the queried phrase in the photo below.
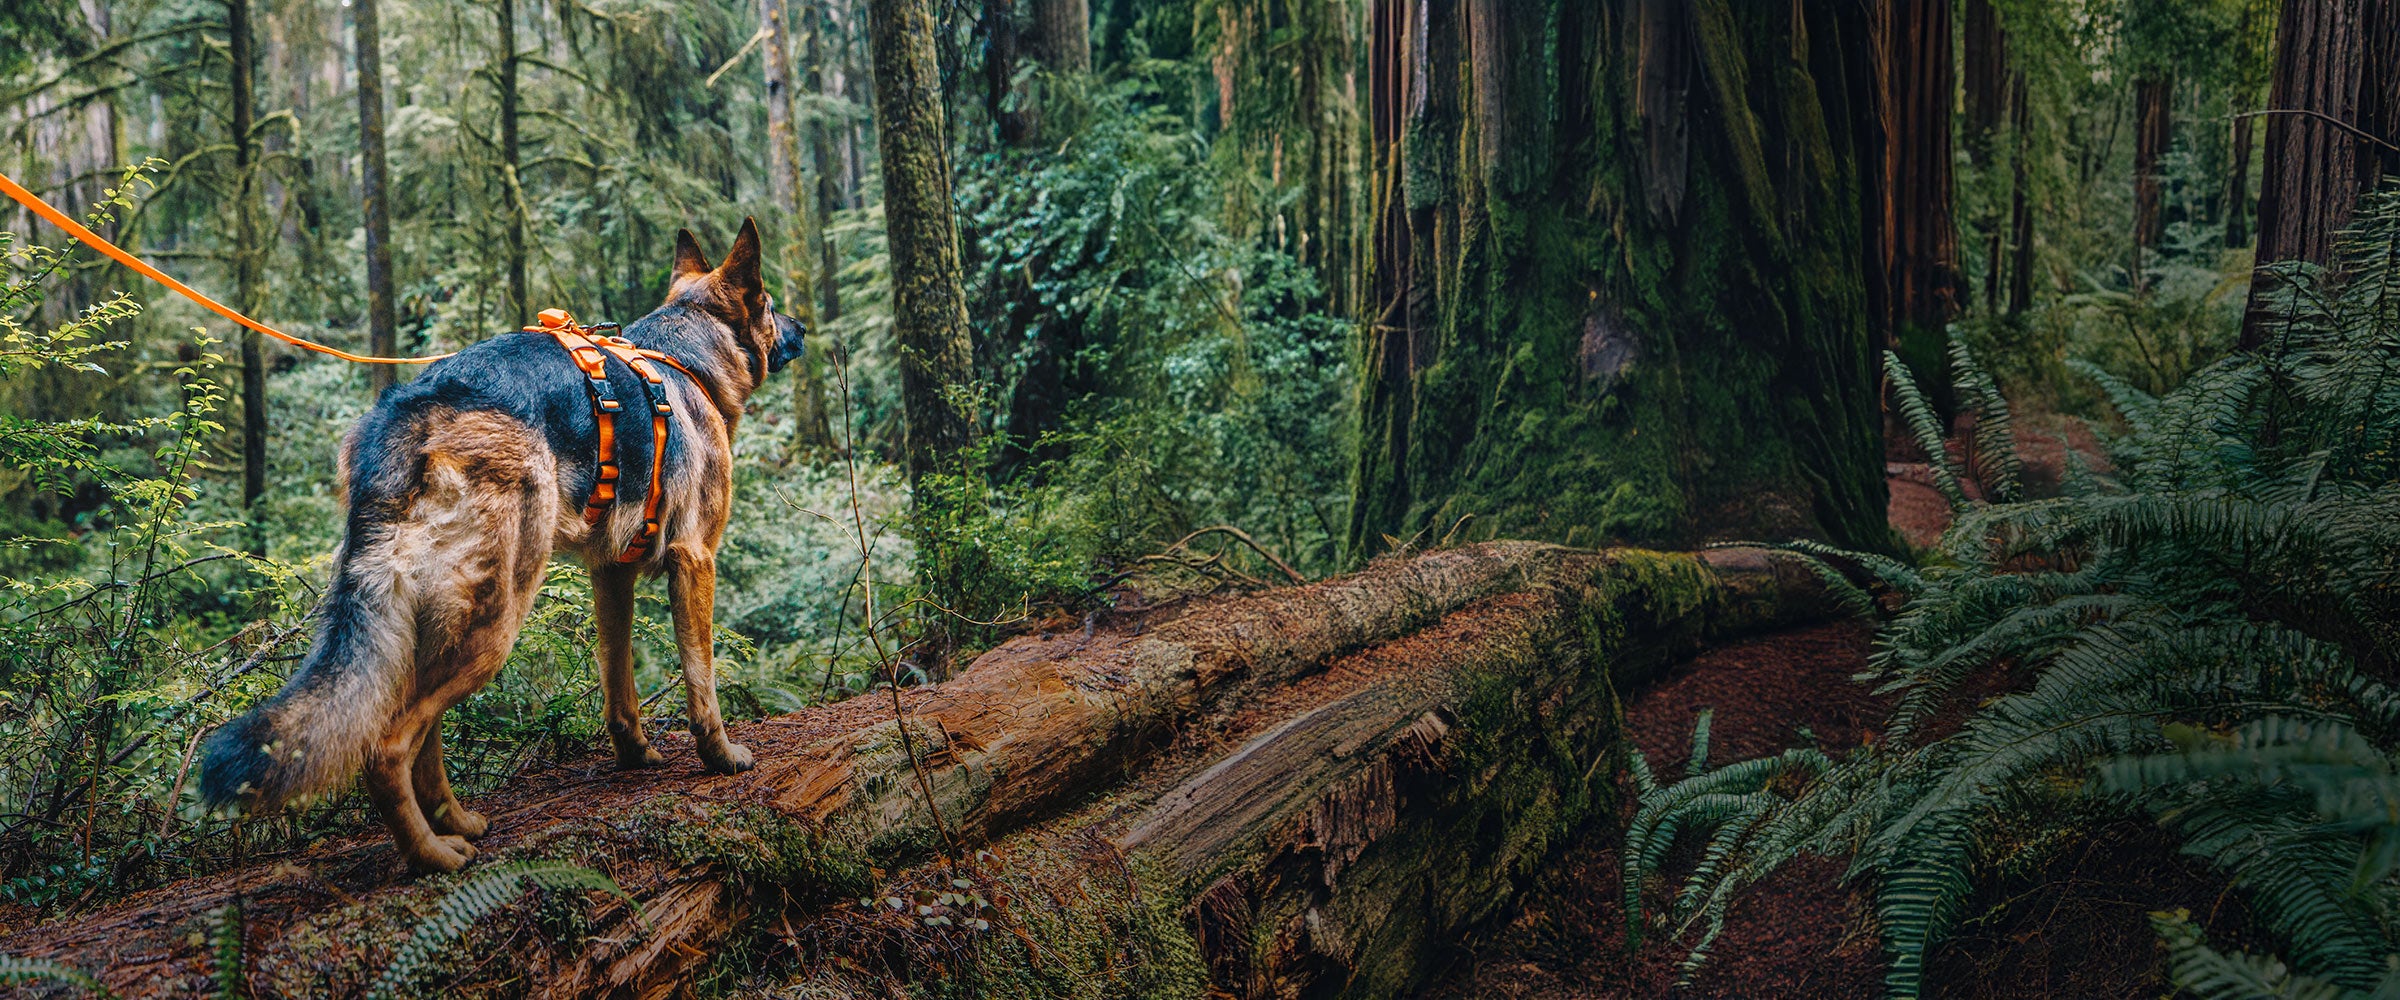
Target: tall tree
(383, 337)
(929, 310)
(793, 226)
(246, 261)
(2153, 133)
(1063, 35)
(1618, 273)
(1917, 238)
(510, 162)
(2333, 112)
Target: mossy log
(1306, 787)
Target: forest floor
(2077, 928)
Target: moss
(755, 843)
(1746, 406)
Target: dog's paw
(731, 758)
(462, 821)
(442, 854)
(634, 759)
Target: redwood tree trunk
(1619, 298)
(2154, 131)
(1987, 79)
(2339, 59)
(1920, 237)
(2237, 185)
(383, 335)
(929, 310)
(1063, 35)
(795, 247)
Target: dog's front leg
(692, 589)
(612, 614)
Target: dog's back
(458, 483)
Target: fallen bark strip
(1033, 729)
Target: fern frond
(1927, 428)
(477, 896)
(41, 970)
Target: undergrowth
(2205, 636)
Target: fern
(40, 970)
(2209, 634)
(1927, 427)
(477, 896)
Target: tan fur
(466, 554)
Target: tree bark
(1063, 35)
(510, 160)
(248, 291)
(2237, 185)
(1987, 76)
(1920, 247)
(383, 331)
(1401, 741)
(929, 308)
(2154, 131)
(795, 229)
(1619, 298)
(2339, 59)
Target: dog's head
(734, 293)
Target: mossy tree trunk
(928, 305)
(510, 160)
(2335, 59)
(249, 288)
(383, 331)
(1619, 287)
(796, 247)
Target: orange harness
(588, 355)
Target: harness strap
(590, 358)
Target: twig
(2327, 119)
(1244, 537)
(175, 794)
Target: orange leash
(93, 240)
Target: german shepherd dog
(462, 484)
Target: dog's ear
(740, 270)
(688, 258)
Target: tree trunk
(2020, 212)
(795, 231)
(1063, 35)
(1920, 248)
(1252, 783)
(1987, 76)
(248, 291)
(2153, 132)
(2339, 59)
(518, 296)
(2237, 185)
(1619, 298)
(1014, 118)
(929, 310)
(383, 332)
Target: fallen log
(1264, 784)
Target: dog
(462, 484)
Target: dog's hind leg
(692, 590)
(442, 809)
(612, 613)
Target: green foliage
(476, 896)
(2200, 637)
(37, 970)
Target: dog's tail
(313, 735)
